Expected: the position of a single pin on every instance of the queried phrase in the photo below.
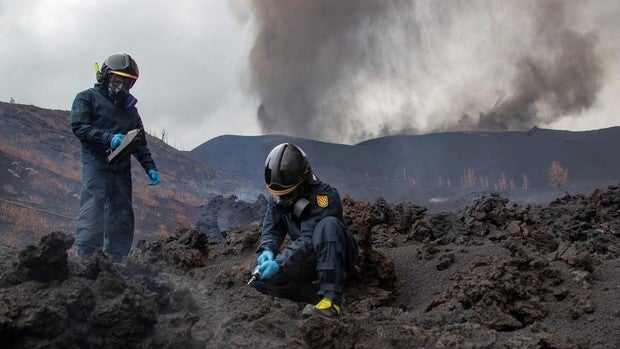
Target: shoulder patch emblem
(322, 200)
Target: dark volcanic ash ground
(495, 275)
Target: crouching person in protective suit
(311, 268)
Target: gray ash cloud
(348, 70)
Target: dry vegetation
(34, 158)
(24, 222)
(469, 180)
(55, 185)
(558, 175)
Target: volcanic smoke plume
(348, 70)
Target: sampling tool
(130, 143)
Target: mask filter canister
(300, 206)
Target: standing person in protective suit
(100, 117)
(311, 268)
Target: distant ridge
(408, 167)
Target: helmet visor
(279, 190)
(122, 73)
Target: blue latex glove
(268, 269)
(116, 141)
(265, 256)
(154, 176)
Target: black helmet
(286, 167)
(120, 64)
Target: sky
(340, 71)
(191, 56)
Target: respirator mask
(292, 202)
(118, 87)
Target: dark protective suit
(106, 215)
(322, 248)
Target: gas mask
(118, 87)
(292, 202)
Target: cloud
(349, 70)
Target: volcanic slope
(493, 275)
